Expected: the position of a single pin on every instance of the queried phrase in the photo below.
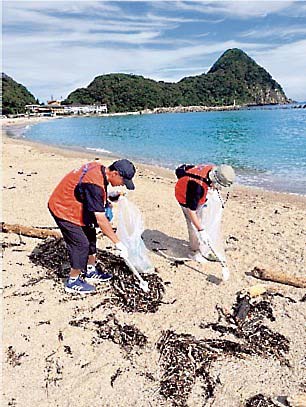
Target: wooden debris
(279, 277)
(298, 400)
(29, 231)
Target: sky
(54, 47)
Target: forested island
(234, 79)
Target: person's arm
(194, 219)
(194, 193)
(106, 227)
(94, 203)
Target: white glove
(204, 237)
(225, 273)
(122, 250)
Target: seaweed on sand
(184, 358)
(246, 323)
(125, 292)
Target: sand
(48, 361)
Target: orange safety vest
(181, 185)
(63, 202)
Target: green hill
(234, 77)
(14, 96)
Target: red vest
(181, 185)
(63, 202)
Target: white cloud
(234, 8)
(279, 32)
(287, 65)
(67, 44)
(64, 71)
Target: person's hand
(204, 237)
(122, 250)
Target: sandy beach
(50, 360)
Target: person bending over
(191, 193)
(79, 204)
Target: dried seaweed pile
(260, 401)
(246, 323)
(52, 255)
(126, 336)
(13, 357)
(128, 295)
(185, 358)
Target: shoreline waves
(15, 129)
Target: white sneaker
(197, 256)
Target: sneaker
(97, 276)
(78, 286)
(197, 256)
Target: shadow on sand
(175, 250)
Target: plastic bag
(129, 230)
(211, 217)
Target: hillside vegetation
(14, 96)
(234, 78)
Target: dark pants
(80, 241)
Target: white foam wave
(99, 150)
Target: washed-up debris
(125, 292)
(29, 231)
(52, 255)
(53, 370)
(128, 295)
(115, 376)
(126, 336)
(246, 323)
(259, 400)
(279, 277)
(298, 400)
(185, 359)
(13, 357)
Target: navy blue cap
(127, 171)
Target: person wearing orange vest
(191, 193)
(79, 204)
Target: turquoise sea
(266, 146)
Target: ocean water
(267, 147)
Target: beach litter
(246, 323)
(124, 335)
(125, 291)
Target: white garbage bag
(129, 230)
(211, 222)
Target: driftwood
(279, 277)
(29, 231)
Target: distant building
(55, 108)
(97, 108)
